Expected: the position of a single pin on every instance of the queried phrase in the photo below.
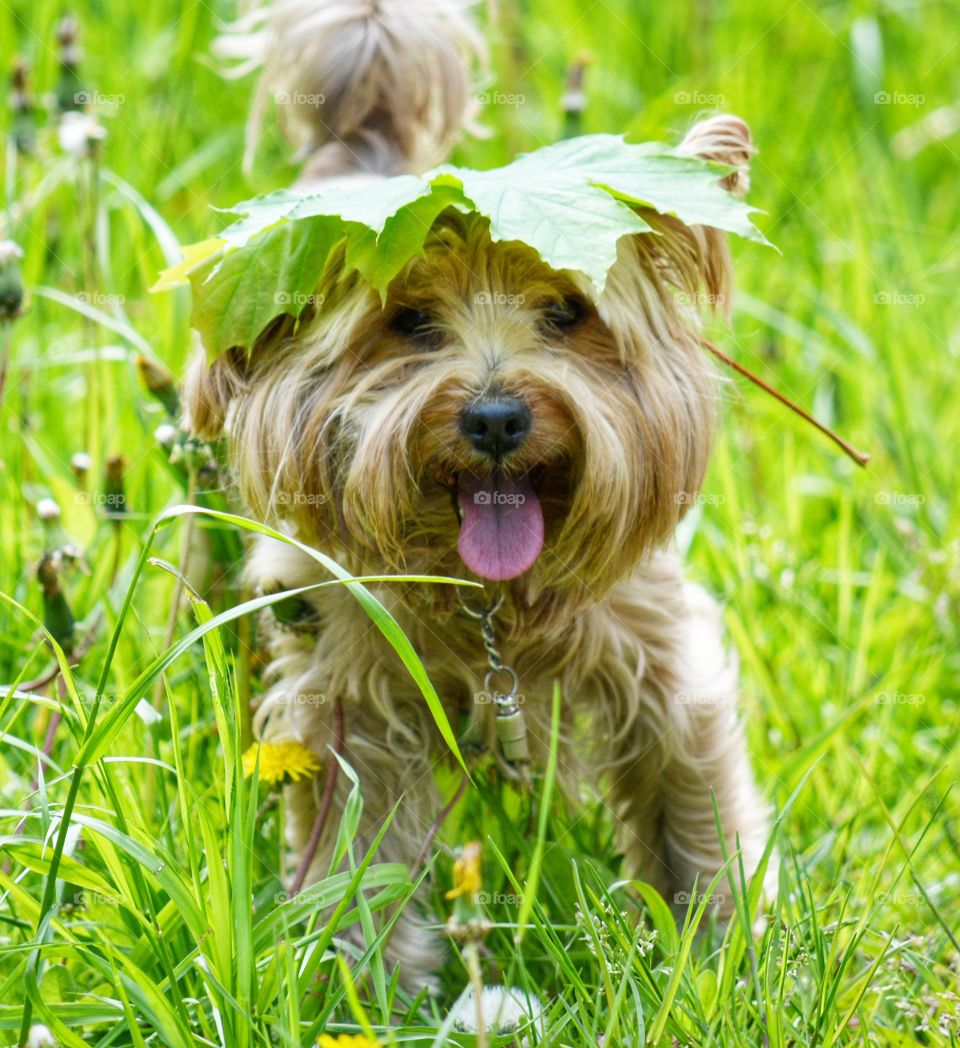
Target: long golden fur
(347, 432)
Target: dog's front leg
(385, 778)
(683, 750)
(335, 691)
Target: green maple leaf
(571, 202)
(237, 295)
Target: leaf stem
(860, 457)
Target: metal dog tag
(512, 734)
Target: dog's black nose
(496, 425)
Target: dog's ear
(695, 259)
(726, 139)
(208, 390)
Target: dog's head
(494, 415)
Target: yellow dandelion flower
(279, 760)
(346, 1040)
(467, 878)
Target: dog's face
(494, 416)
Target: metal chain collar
(511, 726)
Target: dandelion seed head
(40, 1037)
(48, 509)
(505, 1009)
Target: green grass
(841, 586)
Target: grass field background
(841, 585)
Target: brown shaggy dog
(497, 420)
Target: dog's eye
(562, 315)
(415, 324)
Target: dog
(498, 421)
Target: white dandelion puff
(9, 250)
(165, 434)
(40, 1037)
(79, 133)
(48, 509)
(505, 1009)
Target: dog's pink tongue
(502, 530)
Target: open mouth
(501, 524)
